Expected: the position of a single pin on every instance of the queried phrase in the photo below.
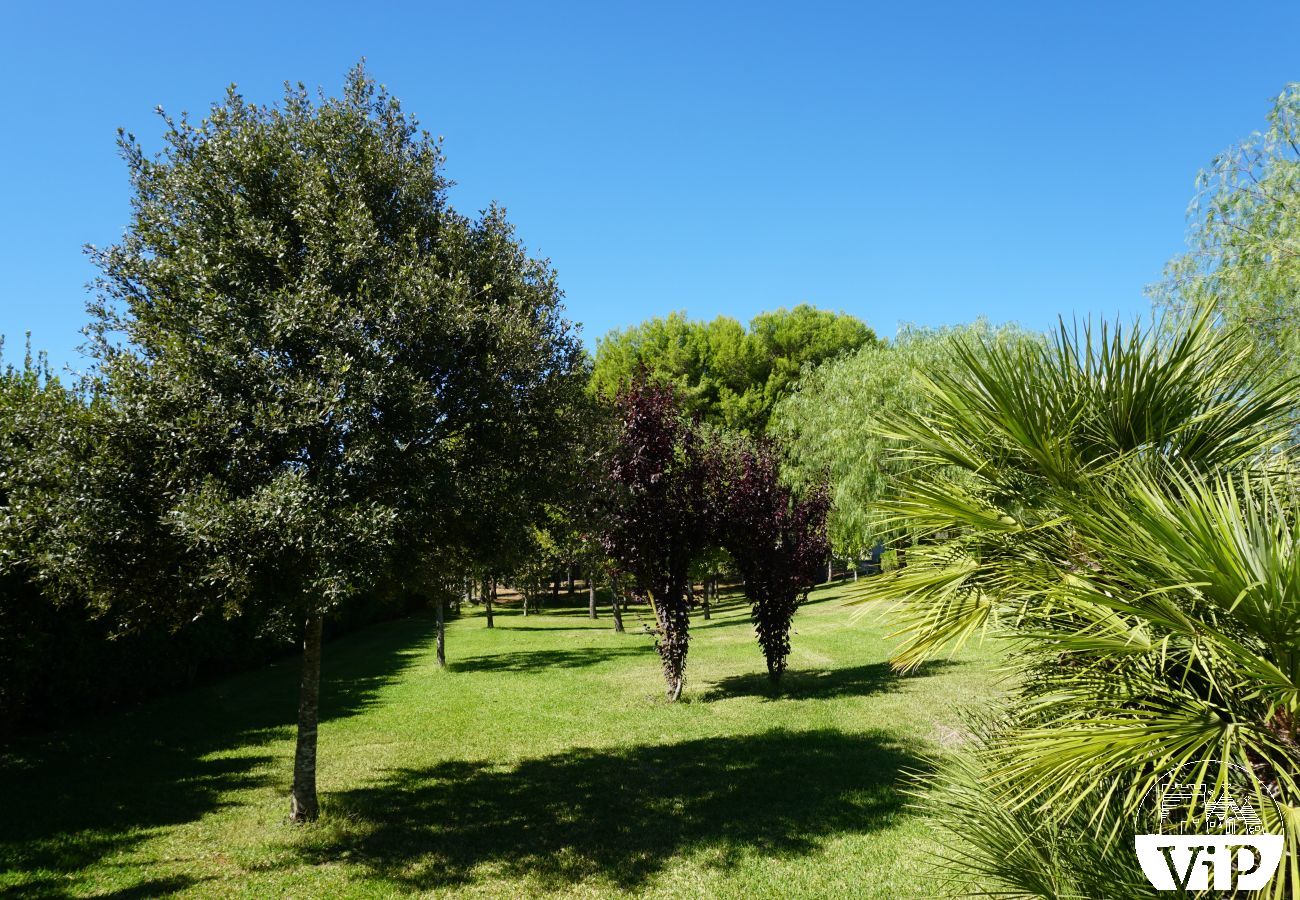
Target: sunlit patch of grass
(543, 761)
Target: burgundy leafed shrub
(657, 511)
(778, 542)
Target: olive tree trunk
(302, 803)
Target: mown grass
(543, 761)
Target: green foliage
(1244, 257)
(724, 373)
(334, 367)
(839, 422)
(312, 375)
(1120, 505)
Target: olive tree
(330, 362)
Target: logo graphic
(1209, 836)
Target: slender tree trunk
(555, 589)
(614, 607)
(591, 595)
(489, 593)
(708, 586)
(673, 641)
(830, 570)
(442, 631)
(570, 579)
(302, 803)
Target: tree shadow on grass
(617, 817)
(71, 798)
(821, 684)
(537, 660)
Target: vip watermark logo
(1210, 836)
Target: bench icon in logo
(1209, 837)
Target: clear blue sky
(903, 162)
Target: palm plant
(1117, 504)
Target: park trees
(656, 511)
(328, 363)
(725, 374)
(841, 421)
(776, 540)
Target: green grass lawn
(542, 761)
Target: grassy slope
(544, 760)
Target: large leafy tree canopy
(1244, 256)
(839, 423)
(338, 360)
(727, 374)
(324, 365)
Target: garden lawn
(542, 761)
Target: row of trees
(319, 393)
(676, 490)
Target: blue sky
(904, 162)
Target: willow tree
(333, 361)
(842, 422)
(1244, 242)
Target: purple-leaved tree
(657, 518)
(777, 540)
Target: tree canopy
(330, 368)
(839, 423)
(1244, 255)
(727, 374)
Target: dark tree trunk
(570, 579)
(302, 804)
(900, 552)
(442, 631)
(489, 594)
(591, 596)
(555, 589)
(674, 620)
(614, 607)
(708, 587)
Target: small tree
(328, 363)
(778, 541)
(657, 511)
